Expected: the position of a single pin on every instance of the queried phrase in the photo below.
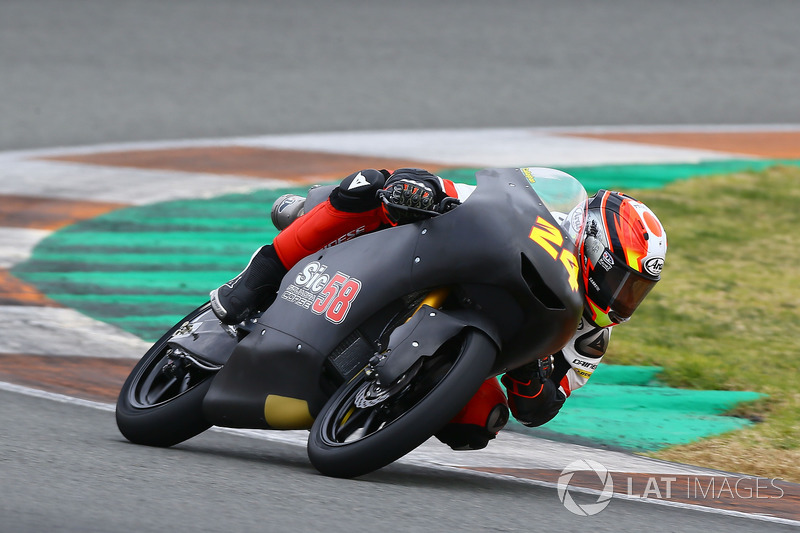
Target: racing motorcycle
(376, 343)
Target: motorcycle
(376, 343)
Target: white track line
(16, 244)
(64, 332)
(498, 147)
(487, 148)
(74, 181)
(488, 132)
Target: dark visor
(617, 286)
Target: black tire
(437, 393)
(175, 414)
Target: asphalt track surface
(81, 72)
(68, 470)
(89, 71)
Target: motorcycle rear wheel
(348, 441)
(156, 409)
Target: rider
(621, 255)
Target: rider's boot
(250, 291)
(479, 421)
(350, 210)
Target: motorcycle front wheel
(350, 438)
(159, 404)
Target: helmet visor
(616, 286)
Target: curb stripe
(767, 144)
(48, 213)
(91, 378)
(293, 165)
(14, 291)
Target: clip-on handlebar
(446, 205)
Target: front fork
(434, 299)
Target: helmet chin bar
(597, 316)
(601, 318)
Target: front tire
(348, 441)
(158, 409)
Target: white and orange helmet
(622, 252)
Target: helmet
(622, 252)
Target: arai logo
(654, 265)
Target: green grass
(726, 314)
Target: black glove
(411, 193)
(413, 188)
(532, 397)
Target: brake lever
(448, 204)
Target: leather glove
(532, 397)
(411, 193)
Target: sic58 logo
(329, 296)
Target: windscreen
(564, 197)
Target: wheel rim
(348, 423)
(153, 386)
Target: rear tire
(155, 410)
(405, 420)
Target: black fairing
(482, 249)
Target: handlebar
(446, 205)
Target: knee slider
(465, 436)
(357, 192)
(460, 436)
